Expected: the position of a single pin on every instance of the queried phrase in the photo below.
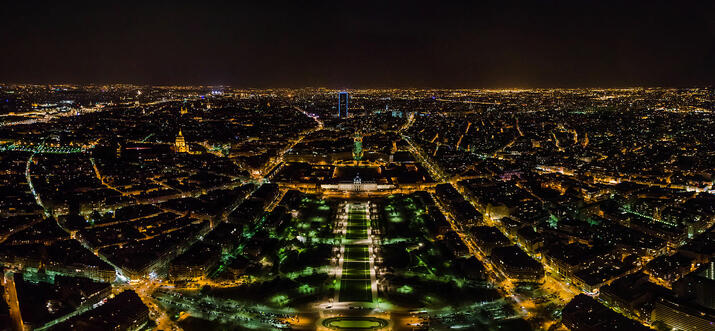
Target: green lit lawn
(356, 253)
(355, 290)
(355, 232)
(357, 226)
(355, 281)
(355, 323)
(356, 270)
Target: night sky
(358, 44)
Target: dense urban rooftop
(212, 207)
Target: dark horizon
(398, 45)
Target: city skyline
(370, 166)
(209, 208)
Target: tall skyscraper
(343, 104)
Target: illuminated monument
(180, 144)
(343, 104)
(357, 147)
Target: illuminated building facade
(681, 316)
(180, 144)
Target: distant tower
(343, 104)
(357, 147)
(184, 110)
(180, 144)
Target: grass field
(356, 270)
(355, 283)
(356, 253)
(355, 290)
(357, 226)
